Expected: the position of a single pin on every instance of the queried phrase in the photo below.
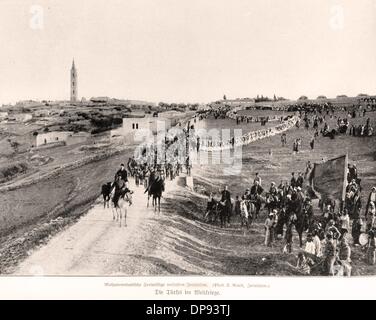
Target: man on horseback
(156, 189)
(121, 189)
(122, 172)
(273, 190)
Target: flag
(329, 178)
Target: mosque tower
(73, 97)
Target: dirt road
(97, 245)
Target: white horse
(121, 207)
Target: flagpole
(345, 180)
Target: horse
(247, 214)
(225, 209)
(301, 220)
(271, 202)
(155, 190)
(258, 200)
(211, 215)
(149, 184)
(106, 191)
(282, 219)
(119, 206)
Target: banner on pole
(329, 178)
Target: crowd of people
(328, 236)
(320, 120)
(210, 145)
(289, 207)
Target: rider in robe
(121, 186)
(273, 189)
(122, 172)
(256, 189)
(247, 194)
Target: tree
(224, 97)
(275, 98)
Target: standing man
(345, 254)
(269, 229)
(258, 179)
(300, 180)
(226, 206)
(371, 198)
(312, 143)
(256, 191)
(293, 180)
(330, 254)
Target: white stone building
(136, 129)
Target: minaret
(73, 83)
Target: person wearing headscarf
(330, 254)
(273, 189)
(371, 217)
(269, 229)
(371, 248)
(345, 254)
(345, 222)
(356, 230)
(371, 198)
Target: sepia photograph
(160, 138)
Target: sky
(187, 50)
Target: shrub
(10, 170)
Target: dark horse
(300, 219)
(212, 213)
(224, 209)
(106, 191)
(155, 190)
(272, 202)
